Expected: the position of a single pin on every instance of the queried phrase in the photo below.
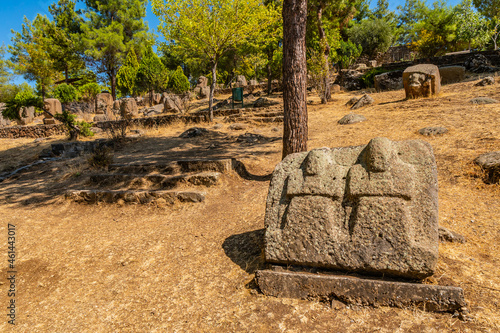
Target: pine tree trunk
(270, 52)
(294, 76)
(325, 50)
(113, 85)
(212, 89)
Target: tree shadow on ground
(246, 250)
(393, 102)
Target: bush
(66, 93)
(68, 119)
(178, 82)
(347, 53)
(89, 91)
(373, 35)
(100, 158)
(24, 98)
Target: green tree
(347, 54)
(24, 98)
(374, 35)
(471, 25)
(410, 14)
(178, 82)
(436, 32)
(491, 10)
(126, 77)
(66, 93)
(5, 74)
(64, 32)
(325, 20)
(151, 74)
(111, 29)
(211, 28)
(30, 52)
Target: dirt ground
(190, 267)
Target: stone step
(207, 178)
(134, 197)
(175, 167)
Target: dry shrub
(100, 158)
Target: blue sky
(12, 13)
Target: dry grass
(189, 268)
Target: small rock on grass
(351, 118)
(490, 163)
(489, 80)
(363, 101)
(432, 130)
(238, 127)
(193, 132)
(446, 235)
(483, 100)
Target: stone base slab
(360, 291)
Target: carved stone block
(371, 209)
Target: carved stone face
(420, 85)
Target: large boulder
(53, 106)
(202, 92)
(421, 81)
(367, 209)
(104, 103)
(478, 63)
(241, 81)
(350, 79)
(389, 81)
(363, 101)
(26, 115)
(3, 121)
(253, 83)
(174, 104)
(202, 82)
(451, 74)
(490, 163)
(128, 108)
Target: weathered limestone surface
(371, 209)
(128, 108)
(421, 81)
(358, 291)
(104, 103)
(53, 106)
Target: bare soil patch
(190, 267)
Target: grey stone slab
(369, 209)
(360, 291)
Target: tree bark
(212, 89)
(113, 84)
(294, 76)
(325, 50)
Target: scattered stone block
(368, 209)
(451, 74)
(363, 101)
(483, 100)
(446, 235)
(49, 121)
(432, 131)
(173, 104)
(104, 103)
(100, 117)
(202, 82)
(238, 126)
(26, 115)
(421, 81)
(388, 81)
(372, 63)
(128, 108)
(351, 102)
(490, 163)
(193, 132)
(489, 80)
(3, 121)
(241, 81)
(53, 106)
(360, 291)
(335, 88)
(351, 118)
